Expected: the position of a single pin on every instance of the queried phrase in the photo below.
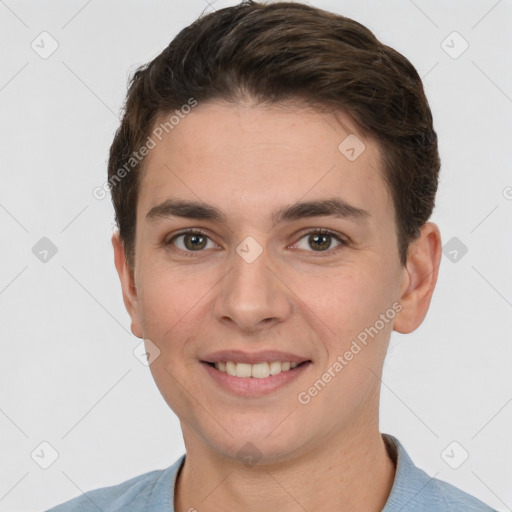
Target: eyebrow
(333, 207)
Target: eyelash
(318, 231)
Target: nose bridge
(251, 293)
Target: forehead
(247, 159)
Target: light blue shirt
(413, 490)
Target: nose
(252, 296)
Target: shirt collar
(409, 479)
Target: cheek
(172, 303)
(345, 303)
(345, 293)
(162, 301)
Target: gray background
(68, 376)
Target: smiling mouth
(257, 370)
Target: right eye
(191, 240)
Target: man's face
(248, 284)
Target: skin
(249, 161)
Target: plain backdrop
(72, 394)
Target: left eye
(321, 240)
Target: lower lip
(251, 386)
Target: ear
(126, 276)
(419, 279)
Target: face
(291, 247)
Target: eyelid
(185, 231)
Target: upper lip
(238, 356)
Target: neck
(353, 472)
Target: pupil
(314, 240)
(193, 239)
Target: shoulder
(140, 493)
(414, 489)
(133, 492)
(454, 499)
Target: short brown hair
(275, 53)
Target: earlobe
(126, 276)
(419, 279)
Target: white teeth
(275, 368)
(230, 367)
(243, 370)
(258, 370)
